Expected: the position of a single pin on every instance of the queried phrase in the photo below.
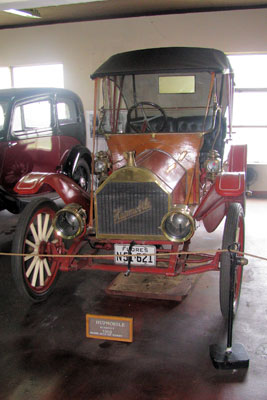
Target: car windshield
(3, 113)
(127, 100)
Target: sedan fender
(65, 187)
(75, 154)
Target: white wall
(82, 46)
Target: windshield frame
(6, 106)
(116, 100)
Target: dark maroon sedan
(41, 130)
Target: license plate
(141, 255)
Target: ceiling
(62, 11)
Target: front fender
(237, 158)
(228, 187)
(75, 154)
(230, 184)
(65, 187)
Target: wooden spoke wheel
(36, 272)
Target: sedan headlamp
(178, 225)
(70, 221)
(100, 166)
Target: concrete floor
(45, 353)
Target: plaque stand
(152, 286)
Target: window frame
(239, 128)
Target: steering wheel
(141, 122)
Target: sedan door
(31, 144)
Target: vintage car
(163, 114)
(41, 130)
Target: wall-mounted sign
(109, 328)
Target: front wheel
(234, 232)
(35, 276)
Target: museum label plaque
(109, 328)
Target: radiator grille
(127, 208)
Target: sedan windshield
(3, 113)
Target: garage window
(250, 100)
(5, 78)
(32, 76)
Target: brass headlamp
(70, 221)
(213, 164)
(178, 225)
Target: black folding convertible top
(164, 60)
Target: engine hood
(172, 159)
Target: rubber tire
(82, 165)
(234, 220)
(18, 246)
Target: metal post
(233, 258)
(233, 356)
